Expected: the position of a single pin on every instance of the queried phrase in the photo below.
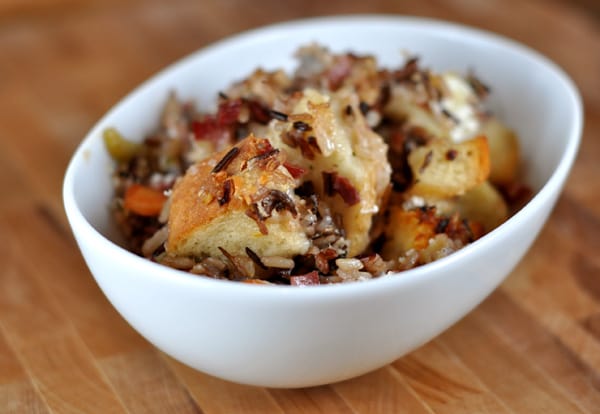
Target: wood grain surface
(532, 347)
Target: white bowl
(282, 336)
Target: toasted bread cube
(485, 205)
(445, 169)
(405, 231)
(347, 147)
(212, 205)
(504, 151)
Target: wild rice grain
(280, 116)
(233, 152)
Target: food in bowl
(282, 336)
(342, 171)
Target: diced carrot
(143, 200)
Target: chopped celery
(119, 148)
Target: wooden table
(532, 347)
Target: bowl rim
(421, 274)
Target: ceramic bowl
(283, 336)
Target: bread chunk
(407, 230)
(444, 169)
(422, 235)
(504, 152)
(238, 198)
(483, 204)
(346, 161)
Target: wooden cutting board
(532, 347)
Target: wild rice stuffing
(435, 190)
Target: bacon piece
(348, 192)
(323, 257)
(334, 183)
(294, 170)
(228, 112)
(209, 130)
(338, 72)
(308, 279)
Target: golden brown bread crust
(444, 169)
(406, 230)
(216, 204)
